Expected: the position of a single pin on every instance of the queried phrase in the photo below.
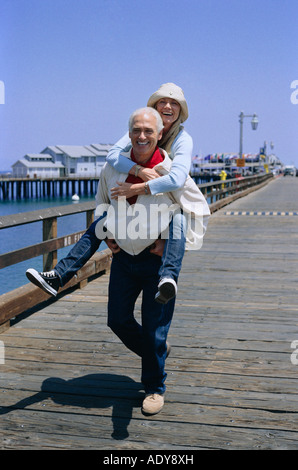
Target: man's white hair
(147, 110)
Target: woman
(170, 102)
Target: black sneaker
(47, 281)
(167, 289)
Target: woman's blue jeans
(129, 276)
(174, 248)
(89, 244)
(78, 256)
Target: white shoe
(167, 289)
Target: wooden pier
(68, 383)
(28, 188)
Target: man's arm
(102, 195)
(103, 203)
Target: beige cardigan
(135, 227)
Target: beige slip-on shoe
(152, 403)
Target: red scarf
(154, 160)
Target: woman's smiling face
(169, 110)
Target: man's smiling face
(144, 136)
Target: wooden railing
(23, 298)
(50, 244)
(218, 190)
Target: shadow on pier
(68, 383)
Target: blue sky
(74, 70)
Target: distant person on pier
(170, 102)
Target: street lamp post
(254, 125)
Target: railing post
(49, 231)
(89, 218)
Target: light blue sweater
(181, 154)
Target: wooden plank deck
(68, 383)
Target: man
(135, 224)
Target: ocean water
(25, 235)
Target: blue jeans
(174, 248)
(129, 276)
(82, 251)
(89, 244)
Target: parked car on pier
(290, 170)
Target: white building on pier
(37, 166)
(63, 160)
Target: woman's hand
(126, 190)
(147, 174)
